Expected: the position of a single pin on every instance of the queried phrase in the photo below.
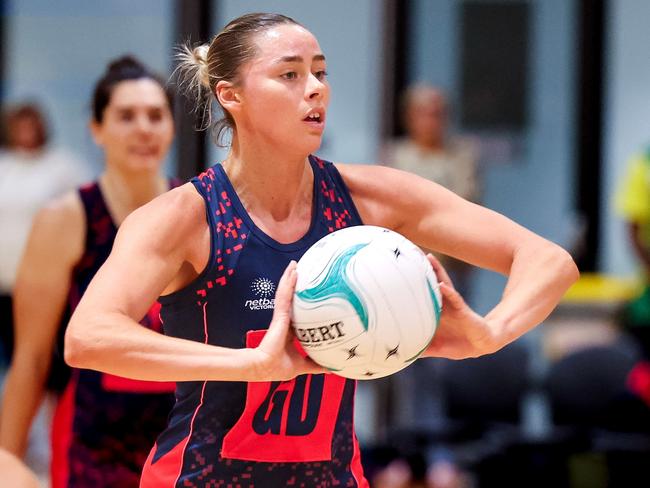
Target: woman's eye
(321, 75)
(291, 75)
(155, 116)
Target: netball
(366, 303)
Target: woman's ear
(96, 132)
(228, 96)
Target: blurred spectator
(633, 203)
(396, 475)
(430, 152)
(445, 474)
(427, 149)
(103, 425)
(31, 173)
(401, 474)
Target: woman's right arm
(54, 246)
(154, 249)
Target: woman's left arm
(539, 271)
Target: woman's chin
(143, 165)
(313, 143)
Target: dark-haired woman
(104, 424)
(250, 410)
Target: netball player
(250, 410)
(104, 424)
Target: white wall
(627, 118)
(433, 40)
(349, 33)
(56, 51)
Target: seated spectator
(429, 151)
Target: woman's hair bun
(127, 62)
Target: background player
(104, 424)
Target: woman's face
(426, 117)
(137, 127)
(284, 91)
(25, 134)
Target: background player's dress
(104, 425)
(279, 434)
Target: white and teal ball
(367, 302)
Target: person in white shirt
(428, 149)
(31, 173)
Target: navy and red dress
(296, 433)
(104, 425)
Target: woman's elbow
(566, 268)
(77, 349)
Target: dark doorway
(590, 41)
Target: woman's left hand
(462, 333)
(277, 358)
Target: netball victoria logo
(264, 290)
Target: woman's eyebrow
(299, 59)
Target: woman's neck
(275, 184)
(430, 144)
(124, 192)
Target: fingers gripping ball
(367, 302)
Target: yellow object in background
(596, 287)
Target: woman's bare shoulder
(172, 217)
(371, 178)
(58, 230)
(183, 203)
(172, 229)
(65, 209)
(63, 217)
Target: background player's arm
(161, 247)
(54, 246)
(539, 271)
(15, 473)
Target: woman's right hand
(276, 358)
